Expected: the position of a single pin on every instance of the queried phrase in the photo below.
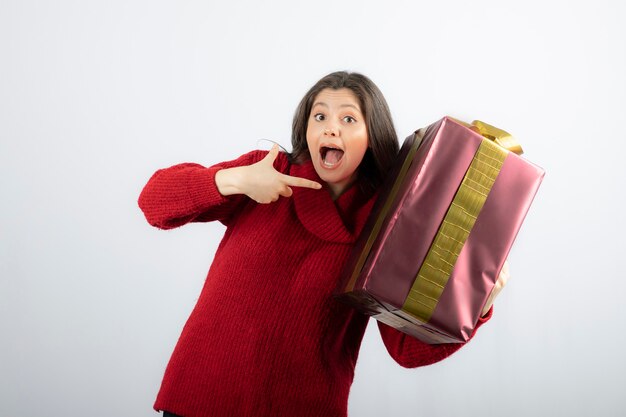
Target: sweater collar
(338, 221)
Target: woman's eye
(349, 119)
(319, 117)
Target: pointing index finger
(301, 182)
(272, 154)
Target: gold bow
(499, 136)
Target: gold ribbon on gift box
(459, 219)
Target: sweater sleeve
(410, 352)
(187, 192)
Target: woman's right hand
(260, 181)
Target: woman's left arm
(410, 352)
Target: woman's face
(337, 137)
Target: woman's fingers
(504, 274)
(287, 179)
(265, 184)
(286, 191)
(503, 277)
(283, 187)
(300, 182)
(271, 155)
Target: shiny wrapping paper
(441, 230)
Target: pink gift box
(381, 276)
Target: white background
(95, 96)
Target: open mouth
(330, 155)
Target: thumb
(272, 154)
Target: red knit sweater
(266, 338)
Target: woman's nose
(330, 131)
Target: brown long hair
(383, 140)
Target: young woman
(266, 338)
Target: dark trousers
(166, 414)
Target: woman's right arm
(188, 192)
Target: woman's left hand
(500, 283)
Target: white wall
(95, 96)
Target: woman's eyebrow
(321, 103)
